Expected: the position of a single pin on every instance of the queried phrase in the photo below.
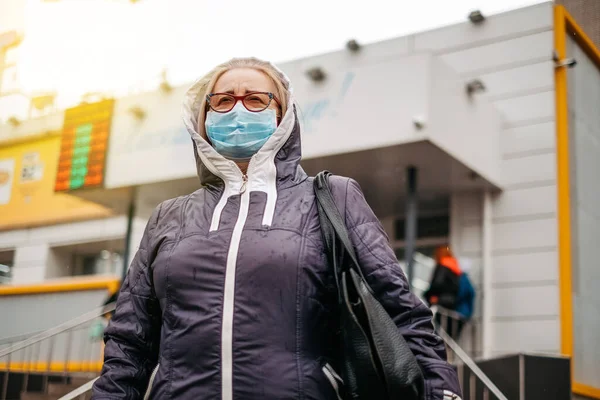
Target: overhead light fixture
(419, 122)
(353, 45)
(137, 112)
(476, 17)
(316, 74)
(474, 86)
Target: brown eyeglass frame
(241, 98)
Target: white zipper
(229, 295)
(151, 382)
(333, 378)
(448, 395)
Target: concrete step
(37, 396)
(60, 389)
(81, 380)
(57, 390)
(47, 396)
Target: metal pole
(410, 226)
(6, 377)
(130, 216)
(486, 292)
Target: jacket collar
(275, 166)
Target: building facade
(499, 123)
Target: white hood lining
(262, 172)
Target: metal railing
(10, 340)
(81, 391)
(65, 349)
(449, 325)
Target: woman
(230, 293)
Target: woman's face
(239, 81)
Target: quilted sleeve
(133, 334)
(386, 278)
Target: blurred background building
(486, 133)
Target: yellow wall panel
(27, 177)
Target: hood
(452, 264)
(275, 166)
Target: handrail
(17, 338)
(471, 364)
(447, 312)
(464, 357)
(468, 361)
(65, 326)
(86, 387)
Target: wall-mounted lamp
(474, 86)
(419, 122)
(137, 112)
(353, 45)
(316, 74)
(14, 121)
(476, 17)
(565, 62)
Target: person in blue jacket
(465, 303)
(451, 289)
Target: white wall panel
(528, 301)
(470, 239)
(516, 269)
(30, 264)
(512, 81)
(504, 54)
(523, 202)
(519, 110)
(529, 170)
(527, 335)
(533, 138)
(514, 23)
(525, 235)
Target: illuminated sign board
(27, 179)
(85, 133)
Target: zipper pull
(244, 183)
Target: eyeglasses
(254, 101)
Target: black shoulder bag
(376, 360)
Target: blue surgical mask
(239, 133)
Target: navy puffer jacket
(230, 295)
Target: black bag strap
(334, 228)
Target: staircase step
(37, 396)
(81, 380)
(60, 389)
(48, 396)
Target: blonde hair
(207, 82)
